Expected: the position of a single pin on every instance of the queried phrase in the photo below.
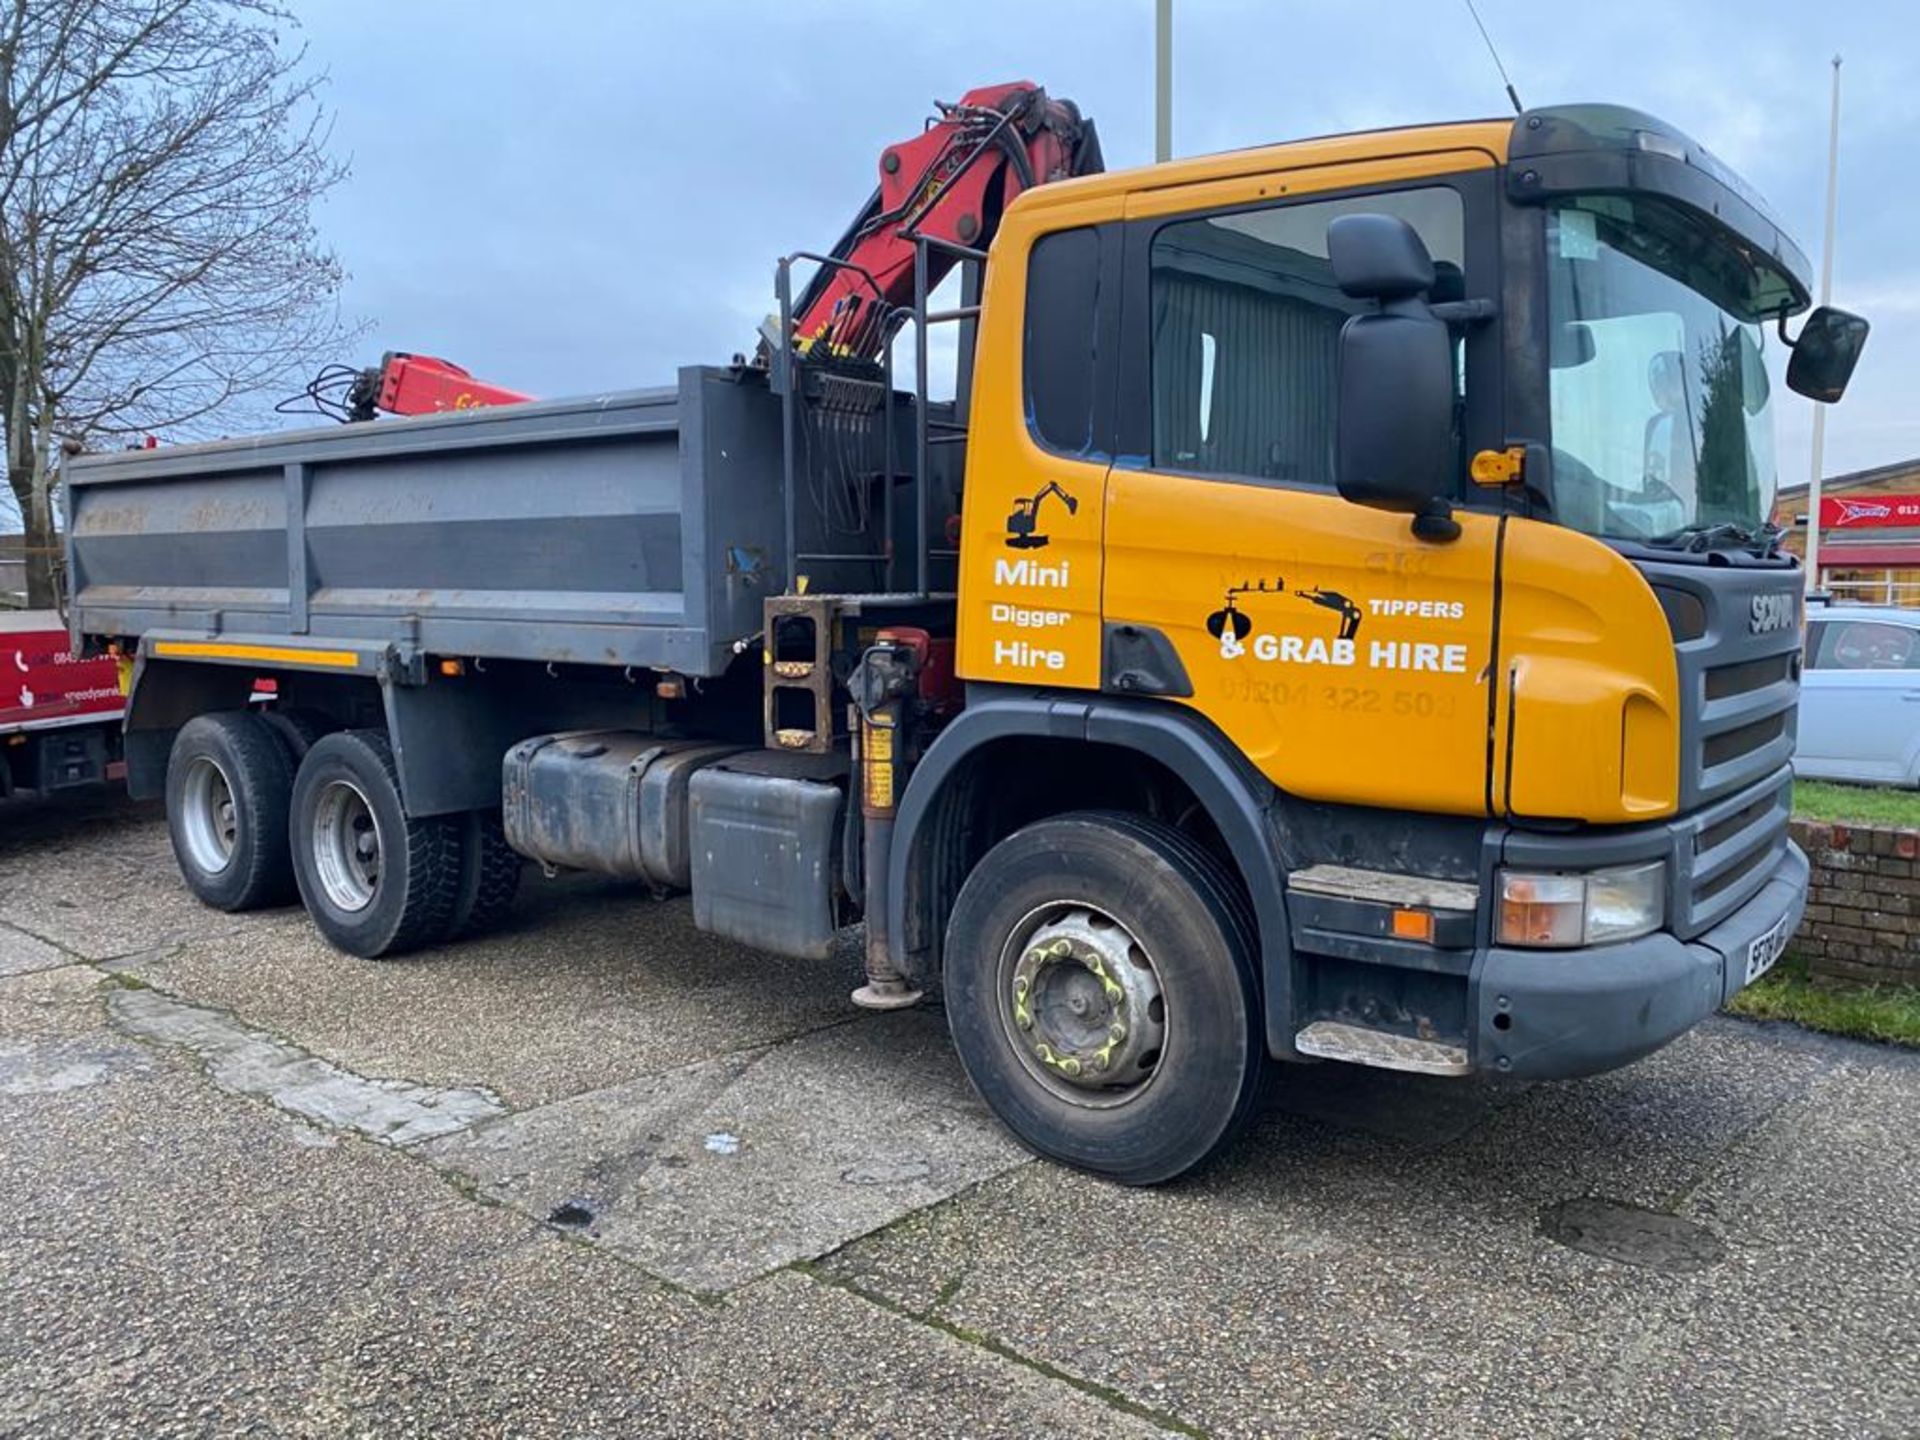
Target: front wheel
(1100, 988)
(375, 880)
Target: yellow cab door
(1345, 658)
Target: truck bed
(639, 528)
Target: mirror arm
(1436, 524)
(1785, 339)
(1465, 312)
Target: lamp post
(1162, 81)
(1826, 294)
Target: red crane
(951, 182)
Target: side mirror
(1394, 440)
(1569, 345)
(1825, 354)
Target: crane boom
(951, 182)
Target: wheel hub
(1085, 1002)
(346, 846)
(209, 822)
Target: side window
(1245, 327)
(1866, 645)
(1063, 295)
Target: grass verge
(1887, 1013)
(1860, 804)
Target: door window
(1866, 645)
(1063, 298)
(1245, 329)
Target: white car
(1860, 696)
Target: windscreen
(1661, 408)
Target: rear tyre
(298, 729)
(489, 876)
(1100, 989)
(376, 882)
(229, 782)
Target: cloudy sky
(585, 194)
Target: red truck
(59, 717)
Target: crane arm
(951, 182)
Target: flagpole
(1162, 81)
(1826, 294)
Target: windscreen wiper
(1723, 534)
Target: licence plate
(1763, 950)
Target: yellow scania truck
(1335, 619)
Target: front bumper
(1551, 1014)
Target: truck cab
(1513, 767)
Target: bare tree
(159, 162)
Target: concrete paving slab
(1327, 1279)
(93, 873)
(180, 1258)
(21, 953)
(588, 985)
(396, 1112)
(102, 913)
(179, 1261)
(50, 1040)
(1814, 1325)
(97, 823)
(719, 1172)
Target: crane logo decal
(1231, 625)
(1023, 525)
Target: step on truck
(1334, 619)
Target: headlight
(1587, 909)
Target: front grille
(1730, 745)
(1726, 681)
(1738, 689)
(1720, 831)
(1738, 723)
(1727, 851)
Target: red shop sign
(1874, 512)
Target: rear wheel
(1100, 989)
(228, 785)
(489, 875)
(298, 729)
(376, 881)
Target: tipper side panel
(629, 529)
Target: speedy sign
(41, 683)
(1872, 512)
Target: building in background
(1869, 533)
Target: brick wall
(1863, 913)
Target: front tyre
(1100, 989)
(375, 881)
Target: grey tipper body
(569, 531)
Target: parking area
(602, 1174)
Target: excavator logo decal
(1230, 625)
(1023, 525)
